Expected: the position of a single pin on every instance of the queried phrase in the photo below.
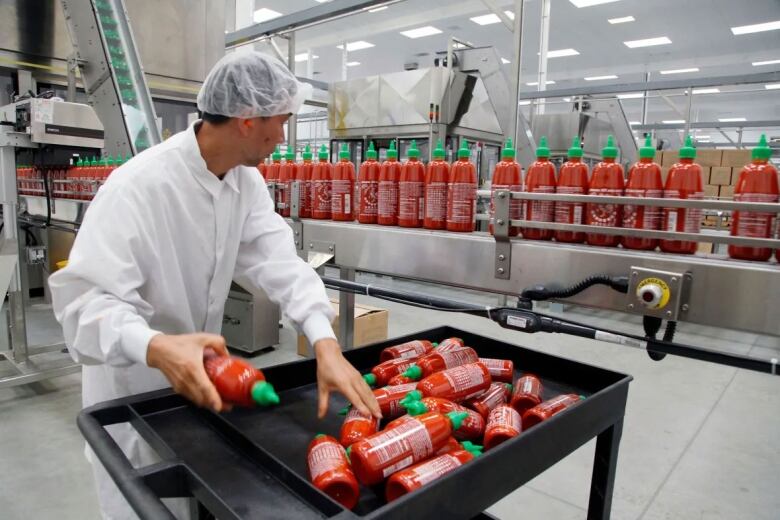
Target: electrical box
(36, 255)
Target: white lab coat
(156, 252)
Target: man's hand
(180, 358)
(336, 373)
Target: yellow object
(61, 264)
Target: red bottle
(473, 425)
(507, 176)
(410, 190)
(452, 445)
(272, 174)
(540, 178)
(495, 395)
(450, 344)
(757, 183)
(330, 471)
(382, 373)
(415, 477)
(503, 423)
(400, 379)
(389, 399)
(389, 175)
(238, 382)
(303, 176)
(644, 180)
(321, 193)
(343, 187)
(382, 454)
(262, 168)
(462, 192)
(684, 182)
(606, 180)
(547, 409)
(368, 185)
(572, 180)
(437, 361)
(527, 394)
(501, 370)
(357, 426)
(287, 174)
(436, 178)
(410, 349)
(457, 384)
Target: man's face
(261, 135)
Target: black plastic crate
(251, 463)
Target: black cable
(652, 325)
(541, 292)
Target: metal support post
(292, 122)
(688, 107)
(602, 484)
(544, 45)
(347, 312)
(516, 71)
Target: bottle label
(642, 217)
(541, 210)
(461, 356)
(409, 195)
(409, 441)
(464, 378)
(604, 214)
(497, 365)
(341, 196)
(557, 404)
(505, 416)
(356, 415)
(493, 397)
(530, 386)
(325, 457)
(436, 201)
(388, 199)
(369, 197)
(751, 223)
(569, 212)
(412, 349)
(686, 220)
(461, 198)
(322, 195)
(435, 468)
(449, 344)
(515, 205)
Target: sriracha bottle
(389, 175)
(473, 425)
(272, 174)
(237, 381)
(757, 183)
(400, 379)
(415, 477)
(321, 175)
(495, 395)
(457, 384)
(382, 373)
(436, 178)
(357, 426)
(262, 168)
(503, 423)
(410, 349)
(644, 180)
(330, 471)
(437, 361)
(389, 399)
(547, 409)
(462, 192)
(606, 180)
(684, 182)
(540, 178)
(368, 184)
(450, 344)
(501, 370)
(343, 187)
(527, 394)
(287, 173)
(572, 180)
(453, 445)
(410, 190)
(303, 176)
(507, 176)
(382, 454)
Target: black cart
(251, 463)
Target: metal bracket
(295, 190)
(320, 253)
(503, 262)
(662, 294)
(297, 228)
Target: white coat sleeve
(267, 257)
(96, 297)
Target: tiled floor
(700, 441)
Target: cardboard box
(704, 248)
(726, 192)
(669, 158)
(735, 175)
(709, 157)
(720, 175)
(665, 173)
(735, 158)
(370, 326)
(711, 191)
(705, 174)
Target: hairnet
(251, 84)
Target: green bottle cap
(307, 153)
(762, 150)
(371, 152)
(688, 151)
(370, 379)
(322, 155)
(509, 387)
(277, 155)
(320, 436)
(582, 397)
(509, 151)
(438, 152)
(263, 393)
(79, 163)
(345, 410)
(289, 155)
(413, 372)
(542, 150)
(348, 453)
(415, 407)
(457, 418)
(392, 153)
(344, 152)
(648, 150)
(118, 161)
(474, 449)
(463, 151)
(413, 152)
(575, 150)
(110, 161)
(414, 395)
(435, 344)
(93, 162)
(102, 162)
(610, 151)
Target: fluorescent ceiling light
(768, 62)
(588, 3)
(510, 15)
(567, 99)
(535, 83)
(353, 63)
(304, 56)
(505, 61)
(560, 53)
(263, 15)
(623, 19)
(486, 19)
(673, 121)
(680, 71)
(356, 46)
(631, 95)
(703, 137)
(599, 78)
(421, 32)
(524, 102)
(322, 1)
(759, 27)
(772, 86)
(634, 123)
(706, 90)
(377, 9)
(647, 42)
(731, 119)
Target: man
(150, 270)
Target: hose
(652, 325)
(541, 293)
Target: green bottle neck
(575, 159)
(687, 160)
(646, 160)
(759, 161)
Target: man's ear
(245, 126)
